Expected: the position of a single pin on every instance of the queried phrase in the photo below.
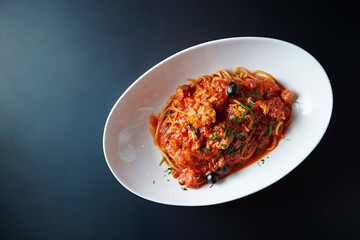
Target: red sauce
(207, 131)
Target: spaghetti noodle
(221, 123)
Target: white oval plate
(133, 158)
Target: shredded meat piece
(263, 106)
(237, 110)
(202, 113)
(287, 96)
(182, 92)
(273, 108)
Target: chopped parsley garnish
(223, 145)
(169, 170)
(251, 122)
(259, 150)
(226, 129)
(240, 135)
(184, 188)
(269, 129)
(214, 138)
(252, 92)
(243, 105)
(232, 134)
(211, 185)
(195, 175)
(235, 118)
(153, 181)
(231, 150)
(243, 114)
(239, 166)
(204, 150)
(194, 130)
(243, 148)
(251, 102)
(169, 113)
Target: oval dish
(134, 159)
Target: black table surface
(63, 64)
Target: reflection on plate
(133, 157)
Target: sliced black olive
(212, 177)
(232, 89)
(225, 169)
(217, 169)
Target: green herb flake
(231, 150)
(269, 129)
(232, 134)
(204, 150)
(251, 122)
(169, 170)
(252, 92)
(223, 145)
(239, 166)
(211, 185)
(184, 188)
(195, 175)
(153, 181)
(243, 105)
(195, 131)
(251, 102)
(240, 135)
(243, 148)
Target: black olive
(225, 169)
(232, 89)
(212, 177)
(222, 170)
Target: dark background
(63, 64)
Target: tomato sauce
(204, 128)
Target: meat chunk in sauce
(237, 110)
(287, 96)
(202, 114)
(182, 92)
(273, 108)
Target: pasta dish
(221, 123)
